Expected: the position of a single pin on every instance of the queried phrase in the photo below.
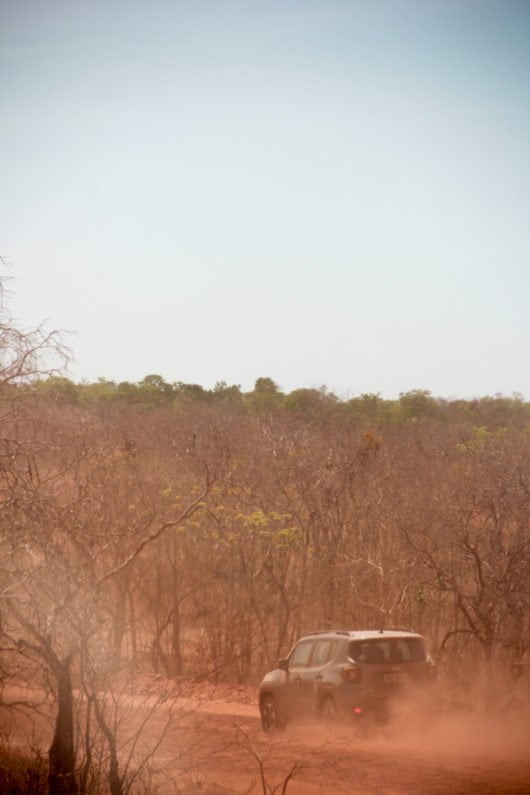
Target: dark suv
(345, 674)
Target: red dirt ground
(210, 742)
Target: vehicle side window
(322, 652)
(300, 656)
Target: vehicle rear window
(387, 650)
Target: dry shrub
(22, 772)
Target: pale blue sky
(322, 192)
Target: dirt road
(216, 747)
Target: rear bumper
(376, 708)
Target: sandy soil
(224, 751)
(210, 742)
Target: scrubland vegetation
(166, 528)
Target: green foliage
(420, 595)
(265, 386)
(265, 398)
(126, 391)
(269, 527)
(99, 391)
(153, 390)
(225, 393)
(417, 404)
(481, 438)
(490, 413)
(373, 408)
(190, 393)
(310, 401)
(58, 389)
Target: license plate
(394, 679)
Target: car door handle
(298, 679)
(319, 677)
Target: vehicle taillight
(351, 673)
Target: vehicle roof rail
(328, 632)
(398, 629)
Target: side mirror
(283, 664)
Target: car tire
(270, 720)
(328, 711)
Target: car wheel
(270, 721)
(328, 711)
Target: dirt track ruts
(216, 747)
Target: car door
(315, 682)
(297, 689)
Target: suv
(345, 674)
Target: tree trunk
(134, 644)
(61, 777)
(114, 778)
(175, 624)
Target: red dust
(213, 745)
